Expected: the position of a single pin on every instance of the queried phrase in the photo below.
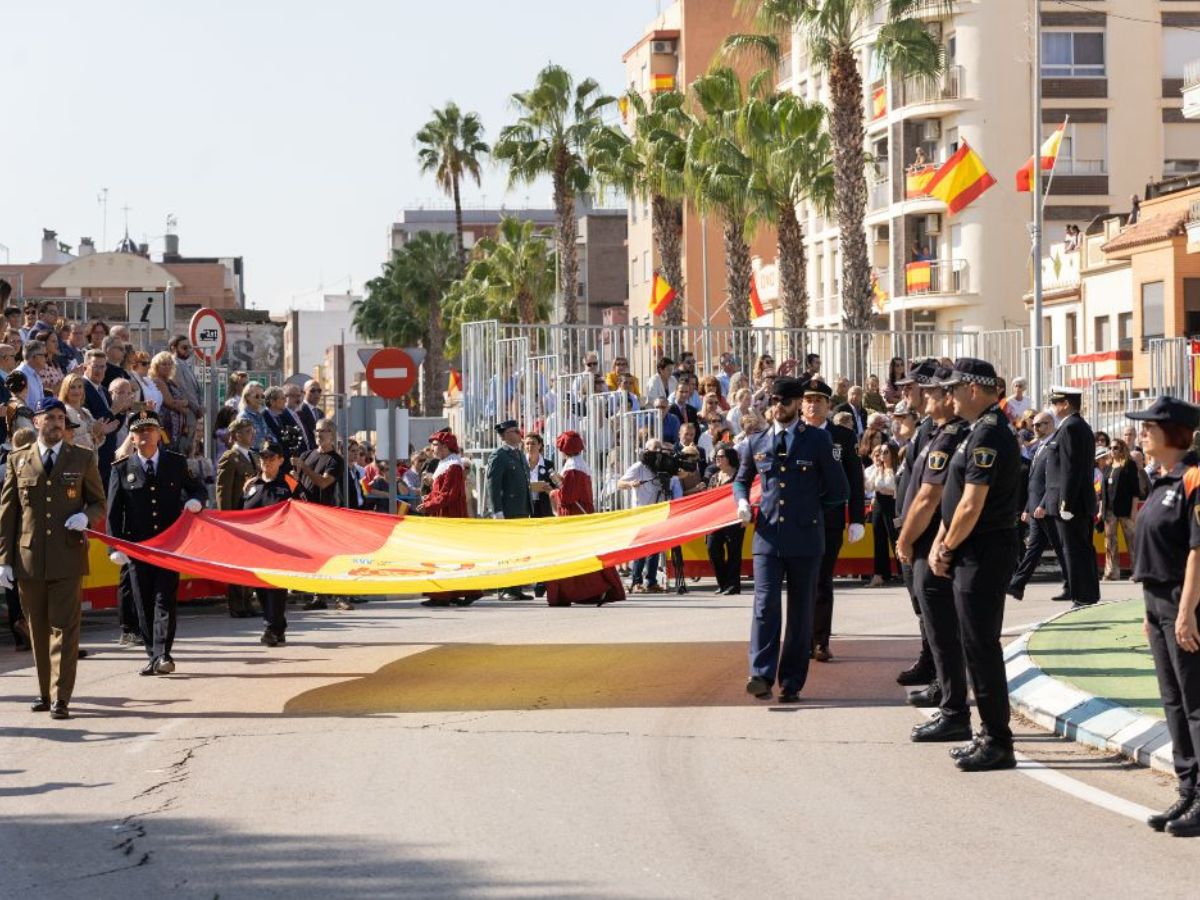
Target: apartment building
(1114, 67)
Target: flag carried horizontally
(756, 305)
(960, 181)
(661, 295)
(1049, 156)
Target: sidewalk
(1088, 675)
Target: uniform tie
(149, 468)
(48, 460)
(781, 446)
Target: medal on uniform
(250, 491)
(131, 478)
(72, 492)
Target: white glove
(6, 577)
(193, 506)
(1063, 514)
(497, 515)
(119, 558)
(856, 532)
(744, 513)
(77, 522)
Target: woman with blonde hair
(74, 396)
(138, 367)
(1119, 489)
(174, 407)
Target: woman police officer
(1168, 566)
(266, 489)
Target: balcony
(917, 90)
(916, 180)
(879, 193)
(783, 74)
(1080, 167)
(935, 277)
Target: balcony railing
(880, 194)
(919, 89)
(937, 276)
(1081, 167)
(784, 72)
(916, 180)
(1191, 74)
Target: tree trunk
(434, 368)
(666, 218)
(738, 273)
(568, 228)
(458, 230)
(793, 286)
(850, 187)
(525, 306)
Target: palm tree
(450, 146)
(511, 279)
(793, 161)
(835, 32)
(403, 306)
(650, 162)
(718, 171)
(554, 135)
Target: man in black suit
(681, 406)
(854, 406)
(98, 403)
(310, 412)
(1042, 531)
(147, 492)
(845, 452)
(1070, 498)
(114, 348)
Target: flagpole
(1035, 376)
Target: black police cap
(818, 389)
(920, 373)
(969, 370)
(1168, 409)
(785, 387)
(270, 447)
(505, 425)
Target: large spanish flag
(961, 180)
(1049, 156)
(661, 295)
(324, 550)
(756, 305)
(917, 277)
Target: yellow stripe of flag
(961, 180)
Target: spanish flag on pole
(661, 295)
(960, 181)
(756, 305)
(455, 387)
(1049, 156)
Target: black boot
(1159, 821)
(1188, 824)
(920, 672)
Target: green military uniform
(508, 483)
(234, 469)
(48, 559)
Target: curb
(1077, 715)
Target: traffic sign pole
(392, 483)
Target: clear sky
(277, 131)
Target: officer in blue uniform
(1070, 498)
(1168, 567)
(799, 479)
(976, 547)
(268, 488)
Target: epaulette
(989, 419)
(952, 428)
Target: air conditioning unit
(935, 31)
(880, 234)
(662, 46)
(931, 130)
(933, 223)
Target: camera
(291, 438)
(667, 462)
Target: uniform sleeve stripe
(1191, 480)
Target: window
(1125, 331)
(1153, 315)
(1191, 306)
(1072, 335)
(1047, 331)
(646, 264)
(645, 76)
(633, 272)
(1181, 148)
(1103, 334)
(1178, 49)
(1073, 54)
(1084, 149)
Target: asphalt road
(512, 750)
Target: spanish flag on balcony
(916, 277)
(756, 305)
(661, 295)
(961, 180)
(1049, 156)
(916, 181)
(879, 103)
(662, 82)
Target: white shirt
(144, 461)
(1017, 408)
(776, 429)
(647, 492)
(56, 449)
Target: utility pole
(1035, 376)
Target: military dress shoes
(987, 758)
(1188, 824)
(269, 639)
(920, 672)
(59, 711)
(962, 750)
(1063, 596)
(926, 698)
(821, 654)
(343, 604)
(164, 666)
(147, 669)
(1159, 821)
(42, 704)
(941, 729)
(759, 687)
(789, 694)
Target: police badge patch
(837, 452)
(937, 460)
(984, 457)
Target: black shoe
(438, 602)
(789, 695)
(1159, 821)
(942, 729)
(539, 591)
(733, 592)
(721, 591)
(1063, 596)
(148, 668)
(962, 750)
(269, 639)
(1188, 824)
(40, 705)
(929, 697)
(280, 638)
(920, 672)
(1015, 594)
(464, 601)
(514, 596)
(681, 588)
(821, 653)
(986, 758)
(1083, 604)
(164, 666)
(60, 711)
(759, 687)
(315, 603)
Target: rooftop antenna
(125, 209)
(102, 199)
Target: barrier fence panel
(1107, 403)
(598, 437)
(1170, 367)
(537, 396)
(479, 368)
(633, 429)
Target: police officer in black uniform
(977, 547)
(799, 478)
(1070, 499)
(919, 375)
(845, 452)
(935, 592)
(1168, 567)
(268, 488)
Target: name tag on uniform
(805, 462)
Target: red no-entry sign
(391, 373)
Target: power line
(1113, 15)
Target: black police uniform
(983, 564)
(935, 593)
(1070, 470)
(144, 500)
(1042, 533)
(260, 493)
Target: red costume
(574, 498)
(447, 499)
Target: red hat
(569, 443)
(446, 438)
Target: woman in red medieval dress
(574, 498)
(447, 499)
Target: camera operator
(653, 480)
